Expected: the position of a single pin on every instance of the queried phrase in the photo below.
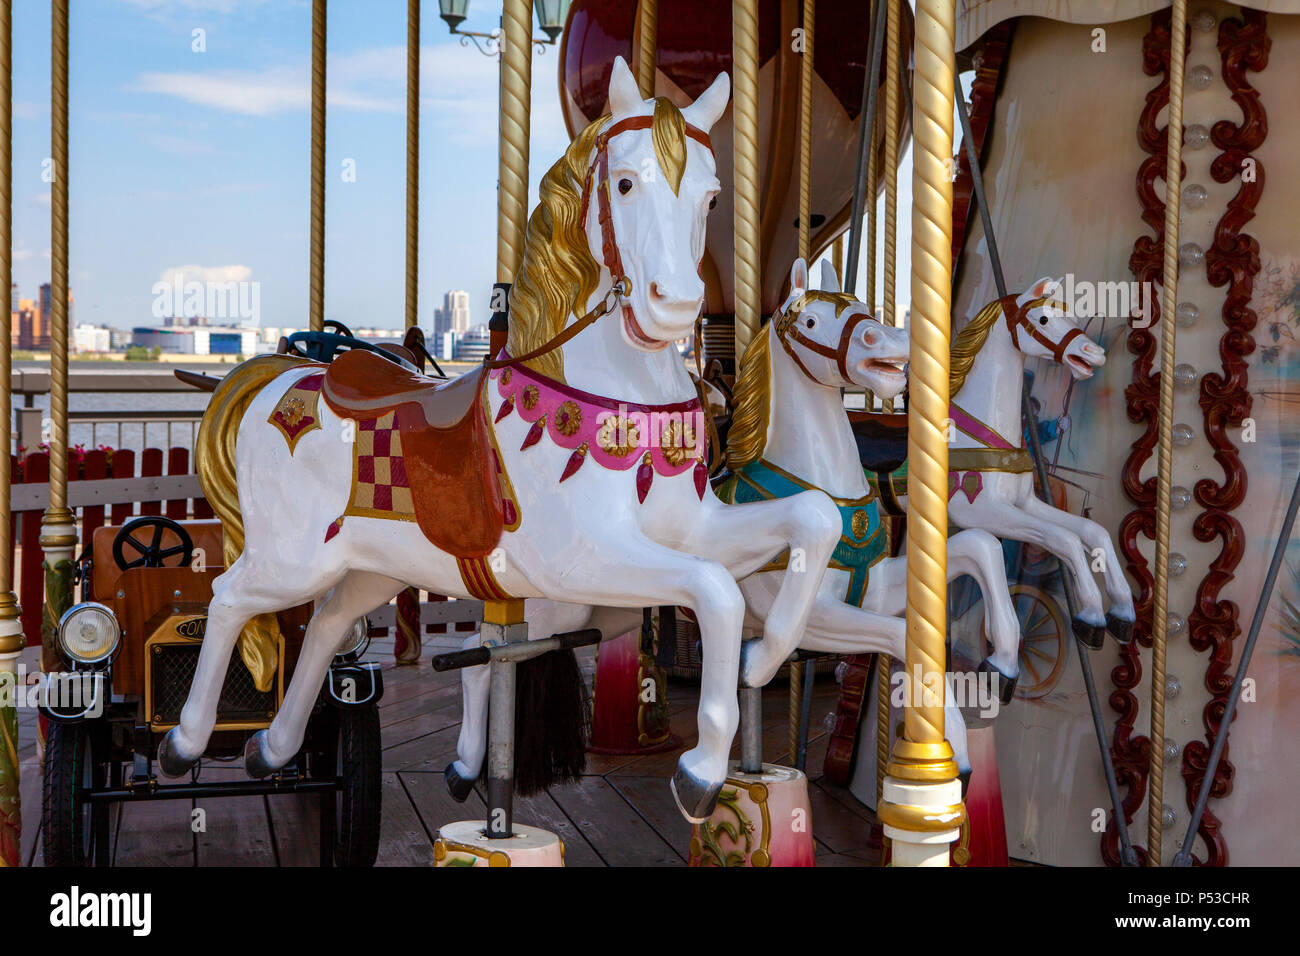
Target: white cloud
(235, 273)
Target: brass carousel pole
(11, 626)
(316, 279)
(748, 252)
(408, 602)
(1164, 467)
(805, 212)
(922, 808)
(647, 45)
(889, 315)
(58, 530)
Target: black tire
(358, 803)
(71, 769)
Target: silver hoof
(169, 762)
(255, 763)
(694, 798)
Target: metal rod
(1184, 855)
(316, 262)
(501, 750)
(868, 113)
(517, 651)
(1127, 856)
(412, 163)
(805, 714)
(751, 730)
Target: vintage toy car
(129, 651)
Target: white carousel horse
(632, 191)
(991, 481)
(789, 433)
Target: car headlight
(88, 633)
(355, 644)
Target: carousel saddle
(446, 444)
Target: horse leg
(1029, 526)
(358, 593)
(743, 537)
(545, 618)
(1122, 615)
(655, 574)
(839, 628)
(979, 554)
(237, 597)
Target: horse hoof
(458, 786)
(169, 762)
(255, 762)
(1093, 635)
(1119, 628)
(694, 798)
(1004, 686)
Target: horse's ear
(1044, 286)
(798, 277)
(830, 281)
(624, 96)
(706, 110)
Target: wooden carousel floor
(620, 813)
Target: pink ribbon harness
(664, 439)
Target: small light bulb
(1190, 254)
(1177, 564)
(1173, 687)
(1184, 375)
(1196, 136)
(1200, 77)
(1183, 435)
(1205, 20)
(1172, 750)
(1194, 195)
(1179, 497)
(1187, 314)
(1175, 625)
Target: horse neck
(808, 432)
(600, 361)
(993, 387)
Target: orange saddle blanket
(429, 450)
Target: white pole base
(770, 814)
(465, 843)
(913, 847)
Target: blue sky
(181, 159)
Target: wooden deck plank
(427, 753)
(29, 793)
(157, 833)
(295, 828)
(238, 829)
(434, 805)
(652, 799)
(612, 827)
(403, 839)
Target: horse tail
(551, 718)
(214, 460)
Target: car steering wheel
(153, 554)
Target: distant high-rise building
(454, 315)
(44, 318)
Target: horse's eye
(1042, 320)
(810, 323)
(625, 186)
(713, 203)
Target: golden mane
(558, 273)
(968, 343)
(752, 401)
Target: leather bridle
(788, 332)
(598, 181)
(1017, 317)
(598, 178)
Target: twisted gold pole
(1164, 467)
(922, 809)
(647, 47)
(412, 163)
(516, 80)
(805, 125)
(58, 533)
(748, 251)
(892, 39)
(316, 276)
(11, 628)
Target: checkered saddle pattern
(381, 487)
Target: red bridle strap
(787, 330)
(1017, 317)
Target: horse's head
(656, 183)
(835, 340)
(1040, 327)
